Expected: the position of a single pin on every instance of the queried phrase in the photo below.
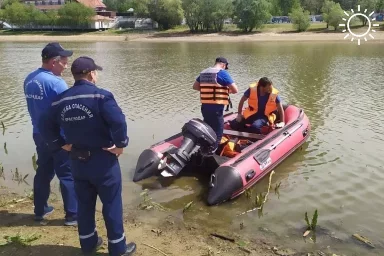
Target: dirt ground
(20, 235)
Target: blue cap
(83, 65)
(54, 49)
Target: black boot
(97, 247)
(131, 248)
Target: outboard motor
(197, 134)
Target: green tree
(1, 18)
(347, 4)
(313, 6)
(380, 5)
(335, 16)
(16, 14)
(167, 13)
(52, 18)
(275, 8)
(214, 12)
(370, 5)
(75, 15)
(326, 10)
(223, 9)
(251, 14)
(300, 18)
(287, 5)
(193, 13)
(140, 7)
(7, 2)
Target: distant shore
(186, 37)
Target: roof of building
(92, 3)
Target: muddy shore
(168, 235)
(188, 37)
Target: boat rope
(265, 199)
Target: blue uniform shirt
(262, 102)
(89, 117)
(40, 88)
(224, 79)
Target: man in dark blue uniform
(96, 132)
(40, 88)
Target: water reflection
(338, 171)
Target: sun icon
(370, 25)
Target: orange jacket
(253, 103)
(212, 92)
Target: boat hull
(230, 177)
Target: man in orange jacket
(263, 102)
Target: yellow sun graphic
(370, 25)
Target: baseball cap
(83, 65)
(222, 60)
(54, 49)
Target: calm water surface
(339, 171)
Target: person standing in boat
(96, 134)
(263, 105)
(215, 84)
(40, 88)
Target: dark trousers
(50, 163)
(256, 124)
(100, 176)
(215, 119)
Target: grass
(21, 240)
(183, 30)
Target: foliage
(300, 18)
(75, 15)
(199, 15)
(251, 14)
(167, 13)
(335, 17)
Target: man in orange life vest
(263, 102)
(215, 84)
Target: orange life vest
(211, 92)
(253, 104)
(232, 147)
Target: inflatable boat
(231, 174)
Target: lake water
(339, 171)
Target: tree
(300, 18)
(214, 12)
(75, 15)
(370, 5)
(193, 13)
(275, 7)
(335, 16)
(140, 7)
(251, 14)
(313, 6)
(4, 3)
(222, 9)
(326, 10)
(287, 5)
(52, 18)
(380, 5)
(16, 14)
(347, 4)
(168, 13)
